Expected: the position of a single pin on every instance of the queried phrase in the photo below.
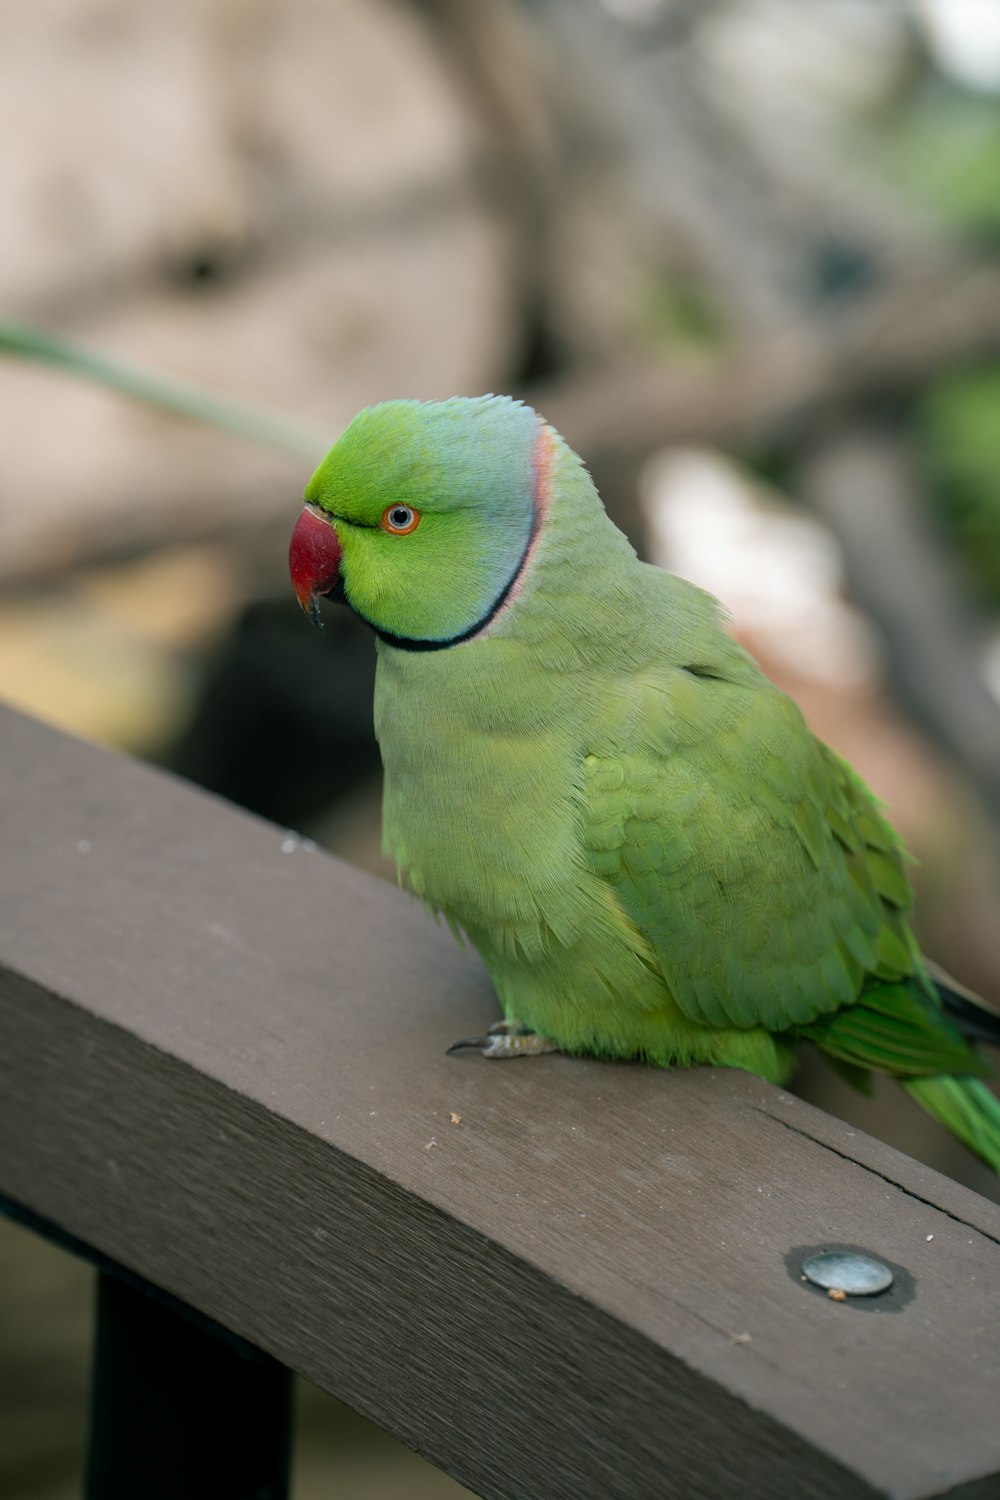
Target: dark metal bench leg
(179, 1410)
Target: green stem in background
(182, 398)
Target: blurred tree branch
(888, 345)
(765, 392)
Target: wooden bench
(224, 1076)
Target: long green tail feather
(902, 1030)
(966, 1107)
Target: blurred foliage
(678, 317)
(941, 150)
(957, 426)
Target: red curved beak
(314, 560)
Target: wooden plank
(224, 1066)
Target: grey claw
(507, 1043)
(470, 1041)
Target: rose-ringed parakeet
(591, 779)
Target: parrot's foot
(507, 1039)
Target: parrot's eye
(400, 519)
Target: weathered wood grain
(224, 1066)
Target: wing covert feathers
(753, 860)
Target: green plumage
(590, 778)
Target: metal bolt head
(840, 1270)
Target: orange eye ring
(400, 520)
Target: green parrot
(590, 778)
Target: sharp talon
(503, 1040)
(469, 1041)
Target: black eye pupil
(399, 516)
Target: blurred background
(744, 254)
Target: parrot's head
(422, 516)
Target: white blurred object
(828, 55)
(779, 574)
(964, 37)
(991, 667)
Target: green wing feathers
(752, 859)
(897, 1029)
(772, 892)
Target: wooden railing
(223, 1069)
